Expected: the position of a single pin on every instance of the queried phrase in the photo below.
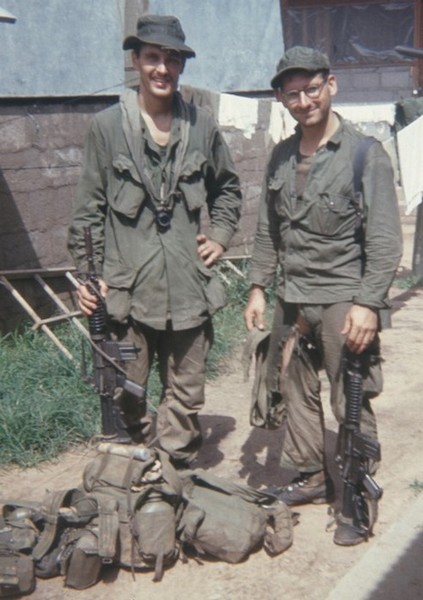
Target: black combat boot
(348, 535)
(308, 488)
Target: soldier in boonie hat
(152, 159)
(300, 58)
(163, 31)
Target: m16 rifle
(108, 374)
(361, 492)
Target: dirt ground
(313, 565)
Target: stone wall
(41, 147)
(41, 153)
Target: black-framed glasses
(311, 91)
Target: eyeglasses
(312, 92)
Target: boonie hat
(300, 57)
(163, 31)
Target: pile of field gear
(134, 510)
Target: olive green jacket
(153, 276)
(327, 253)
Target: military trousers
(322, 347)
(181, 357)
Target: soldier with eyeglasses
(335, 255)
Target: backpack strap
(359, 160)
(358, 169)
(108, 527)
(50, 512)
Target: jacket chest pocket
(275, 187)
(333, 215)
(126, 192)
(192, 183)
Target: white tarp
(410, 151)
(6, 16)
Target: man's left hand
(208, 250)
(360, 327)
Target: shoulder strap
(359, 160)
(132, 131)
(50, 511)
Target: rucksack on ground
(228, 521)
(148, 494)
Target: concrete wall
(40, 156)
(387, 84)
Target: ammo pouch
(67, 545)
(17, 575)
(147, 493)
(229, 521)
(18, 536)
(80, 562)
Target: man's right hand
(254, 311)
(87, 299)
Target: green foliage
(45, 404)
(408, 282)
(228, 323)
(417, 486)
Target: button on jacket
(155, 275)
(326, 251)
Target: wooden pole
(39, 322)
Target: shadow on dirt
(214, 430)
(260, 456)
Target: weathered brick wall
(41, 147)
(40, 157)
(250, 155)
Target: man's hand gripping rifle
(109, 376)
(361, 492)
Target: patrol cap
(163, 31)
(300, 57)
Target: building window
(352, 33)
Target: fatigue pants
(322, 347)
(181, 357)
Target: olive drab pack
(147, 491)
(229, 521)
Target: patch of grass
(228, 323)
(408, 282)
(417, 486)
(45, 404)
